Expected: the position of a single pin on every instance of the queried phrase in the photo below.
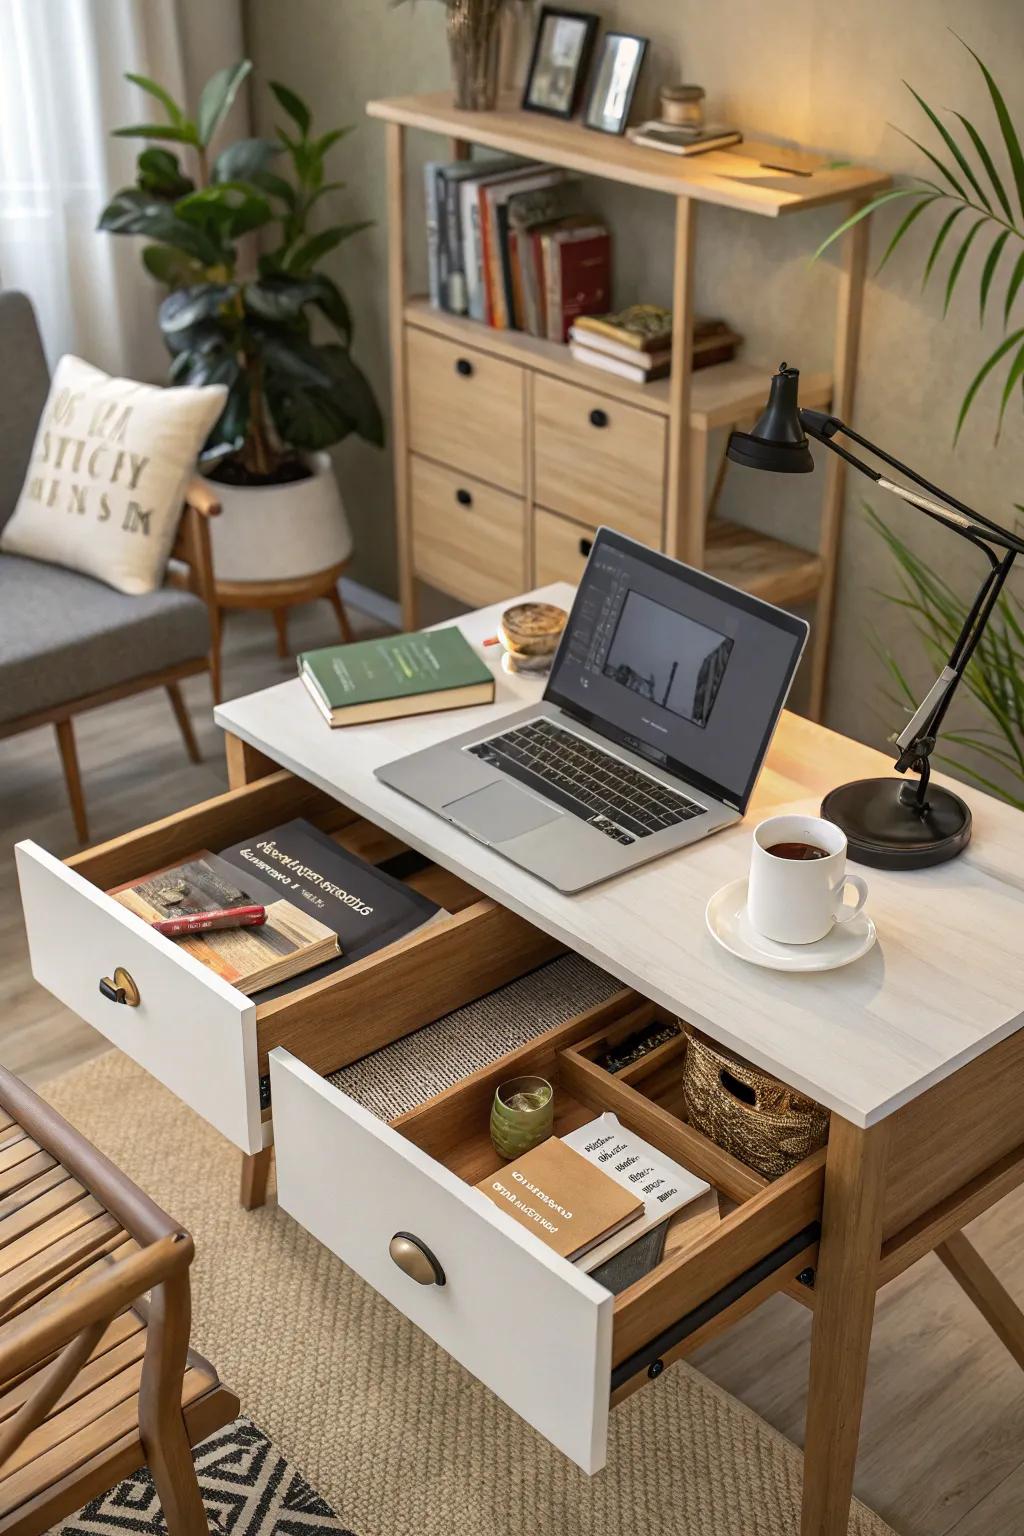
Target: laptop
(660, 705)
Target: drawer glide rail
(650, 1354)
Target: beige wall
(829, 77)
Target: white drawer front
(191, 1030)
(532, 1328)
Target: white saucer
(728, 923)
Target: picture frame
(562, 45)
(614, 82)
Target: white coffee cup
(798, 901)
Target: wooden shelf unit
(508, 453)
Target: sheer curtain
(62, 90)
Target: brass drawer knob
(121, 989)
(415, 1259)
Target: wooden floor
(942, 1452)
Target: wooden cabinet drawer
(201, 1037)
(560, 548)
(467, 538)
(465, 409)
(597, 460)
(550, 1340)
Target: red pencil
(202, 922)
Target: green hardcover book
(397, 675)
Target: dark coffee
(798, 851)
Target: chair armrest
(199, 496)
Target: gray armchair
(68, 642)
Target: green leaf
(863, 213)
(268, 181)
(232, 207)
(927, 198)
(306, 418)
(1015, 374)
(231, 426)
(294, 106)
(171, 267)
(354, 388)
(986, 159)
(943, 170)
(166, 100)
(1010, 139)
(188, 306)
(323, 144)
(245, 160)
(279, 299)
(218, 97)
(982, 374)
(159, 172)
(330, 300)
(133, 211)
(940, 240)
(183, 134)
(1016, 278)
(297, 360)
(988, 271)
(312, 250)
(958, 261)
(951, 145)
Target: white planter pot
(280, 532)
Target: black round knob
(464, 367)
(586, 545)
(598, 418)
(655, 1369)
(463, 497)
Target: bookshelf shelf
(498, 419)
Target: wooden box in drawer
(597, 460)
(551, 1341)
(201, 1037)
(465, 409)
(468, 539)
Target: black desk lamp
(890, 824)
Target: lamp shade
(778, 441)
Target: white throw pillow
(108, 473)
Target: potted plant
(231, 236)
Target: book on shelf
(494, 200)
(577, 274)
(659, 366)
(397, 675)
(473, 236)
(635, 1166)
(684, 141)
(636, 344)
(291, 940)
(529, 212)
(563, 1197)
(446, 250)
(640, 328)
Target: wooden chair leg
(216, 679)
(255, 1173)
(72, 777)
(161, 1422)
(335, 600)
(977, 1281)
(184, 723)
(281, 625)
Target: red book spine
(586, 277)
(203, 922)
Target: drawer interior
(723, 1253)
(473, 948)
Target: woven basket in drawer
(749, 1113)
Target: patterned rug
(248, 1488)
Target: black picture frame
(589, 23)
(620, 122)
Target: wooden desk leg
(245, 763)
(844, 1306)
(995, 1304)
(255, 1173)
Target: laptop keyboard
(614, 798)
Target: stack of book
(636, 343)
(509, 243)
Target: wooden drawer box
(547, 1338)
(201, 1037)
(467, 538)
(560, 548)
(465, 409)
(597, 460)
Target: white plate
(728, 923)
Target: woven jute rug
(394, 1434)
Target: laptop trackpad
(499, 812)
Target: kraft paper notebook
(561, 1197)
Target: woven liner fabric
(412, 1070)
(388, 1428)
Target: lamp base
(885, 833)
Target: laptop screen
(679, 667)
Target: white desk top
(944, 982)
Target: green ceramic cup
(522, 1115)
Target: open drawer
(201, 1037)
(548, 1339)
